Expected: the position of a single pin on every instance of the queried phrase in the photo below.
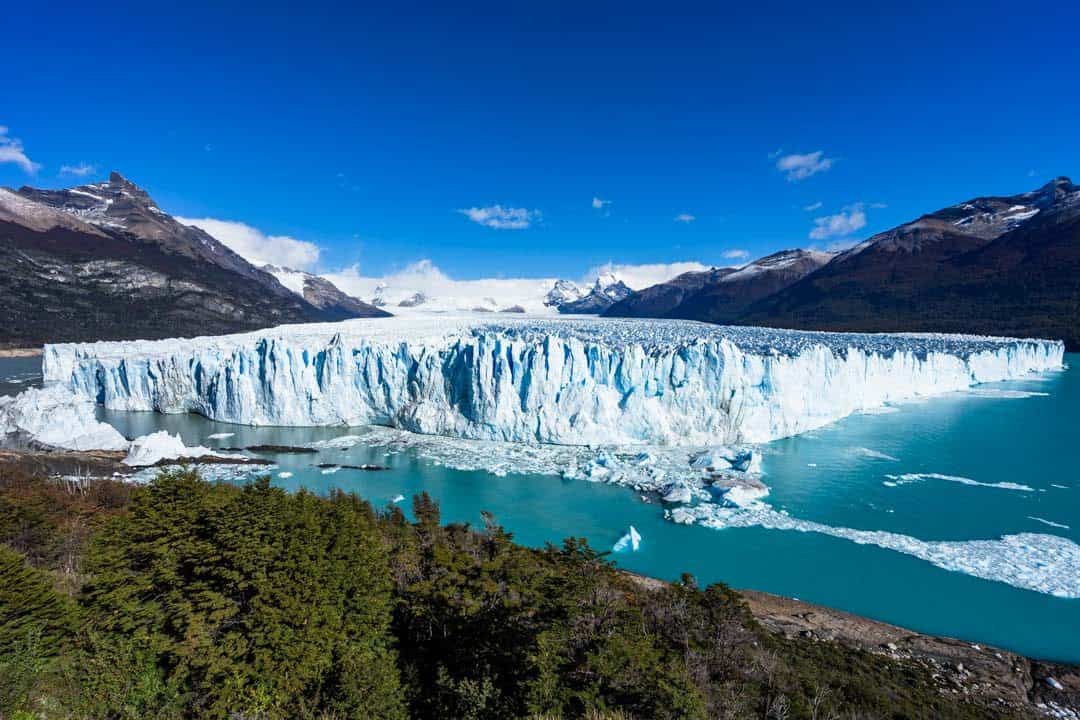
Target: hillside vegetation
(184, 599)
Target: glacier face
(563, 381)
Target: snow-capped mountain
(605, 292)
(103, 261)
(323, 294)
(563, 293)
(993, 265)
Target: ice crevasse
(563, 381)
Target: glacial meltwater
(951, 470)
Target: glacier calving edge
(565, 381)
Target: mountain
(564, 293)
(323, 294)
(726, 299)
(722, 294)
(993, 265)
(606, 291)
(102, 261)
(659, 300)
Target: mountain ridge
(994, 265)
(103, 261)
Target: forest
(187, 599)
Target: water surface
(1022, 433)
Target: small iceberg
(219, 436)
(630, 541)
(284, 475)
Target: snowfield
(571, 381)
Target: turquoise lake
(1019, 433)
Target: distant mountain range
(103, 261)
(566, 297)
(993, 265)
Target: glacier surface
(573, 381)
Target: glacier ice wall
(565, 381)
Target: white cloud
(447, 293)
(842, 224)
(736, 254)
(80, 170)
(599, 204)
(813, 206)
(502, 218)
(257, 247)
(685, 218)
(799, 167)
(11, 151)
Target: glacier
(574, 381)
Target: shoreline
(21, 352)
(989, 675)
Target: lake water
(1005, 436)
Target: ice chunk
(219, 436)
(630, 541)
(744, 496)
(155, 447)
(55, 418)
(678, 493)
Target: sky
(541, 139)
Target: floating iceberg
(155, 447)
(564, 381)
(630, 541)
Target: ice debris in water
(1043, 563)
(567, 381)
(630, 541)
(907, 478)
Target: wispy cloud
(257, 247)
(736, 254)
(599, 204)
(685, 218)
(813, 206)
(80, 170)
(842, 224)
(502, 218)
(799, 167)
(11, 151)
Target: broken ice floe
(908, 478)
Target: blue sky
(366, 130)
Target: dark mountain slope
(1006, 265)
(659, 300)
(323, 294)
(103, 262)
(725, 300)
